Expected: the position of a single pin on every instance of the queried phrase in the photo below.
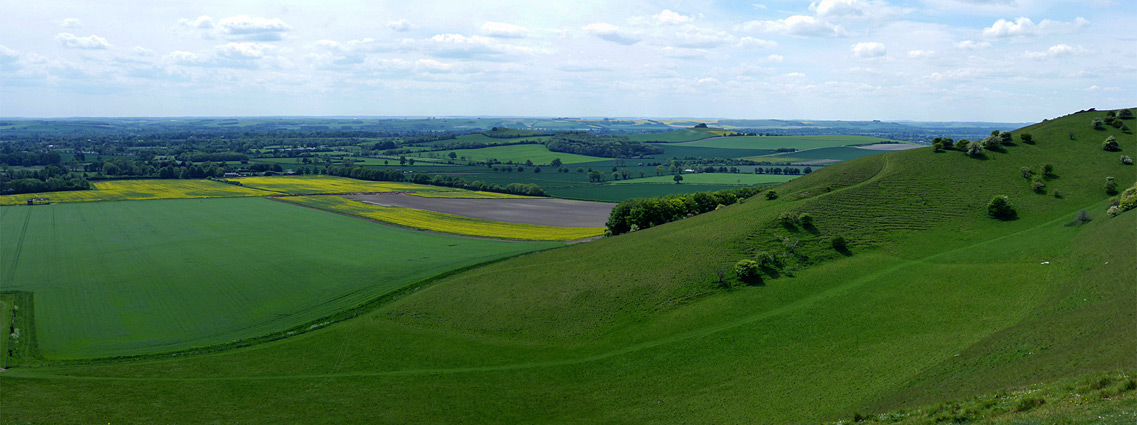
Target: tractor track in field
(11, 268)
(46, 373)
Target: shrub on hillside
(1025, 171)
(1000, 208)
(1110, 144)
(747, 270)
(1098, 124)
(1026, 138)
(787, 218)
(1037, 185)
(1125, 114)
(767, 260)
(805, 219)
(974, 149)
(1128, 199)
(839, 243)
(1047, 169)
(1005, 137)
(771, 194)
(1125, 159)
(1110, 186)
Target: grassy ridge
(934, 301)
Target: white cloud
(248, 55)
(1059, 50)
(69, 23)
(401, 25)
(503, 30)
(92, 42)
(868, 50)
(474, 47)
(669, 17)
(239, 28)
(921, 54)
(1024, 27)
(249, 28)
(609, 32)
(756, 43)
(775, 58)
(202, 22)
(972, 45)
(856, 9)
(698, 37)
(797, 25)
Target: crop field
(776, 142)
(837, 154)
(445, 223)
(519, 154)
(685, 135)
(135, 190)
(619, 192)
(714, 178)
(297, 185)
(117, 278)
(543, 211)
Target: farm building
(34, 201)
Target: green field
(677, 136)
(932, 309)
(776, 142)
(714, 178)
(519, 154)
(835, 153)
(118, 278)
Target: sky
(924, 60)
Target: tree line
(641, 213)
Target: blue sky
(937, 60)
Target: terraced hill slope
(931, 301)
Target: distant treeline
(641, 213)
(582, 143)
(49, 179)
(373, 174)
(29, 159)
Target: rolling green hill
(932, 301)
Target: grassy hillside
(932, 301)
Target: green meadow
(122, 278)
(518, 154)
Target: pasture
(714, 178)
(123, 278)
(446, 223)
(776, 142)
(833, 154)
(302, 185)
(518, 154)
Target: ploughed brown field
(544, 211)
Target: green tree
(1005, 137)
(1098, 124)
(1125, 114)
(1000, 208)
(839, 243)
(678, 178)
(556, 162)
(747, 271)
(1026, 138)
(771, 194)
(1110, 144)
(1110, 186)
(805, 219)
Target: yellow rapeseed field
(132, 190)
(299, 185)
(445, 223)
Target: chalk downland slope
(931, 300)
